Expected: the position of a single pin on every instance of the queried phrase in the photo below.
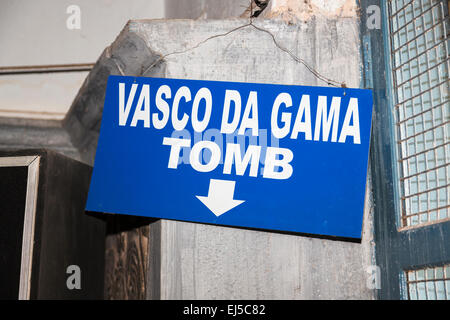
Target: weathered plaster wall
(304, 10)
(35, 33)
(331, 46)
(204, 9)
(292, 11)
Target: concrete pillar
(196, 261)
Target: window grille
(429, 283)
(419, 47)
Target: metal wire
(297, 59)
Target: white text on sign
(284, 124)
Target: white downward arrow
(220, 196)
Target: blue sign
(280, 157)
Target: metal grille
(429, 283)
(419, 46)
